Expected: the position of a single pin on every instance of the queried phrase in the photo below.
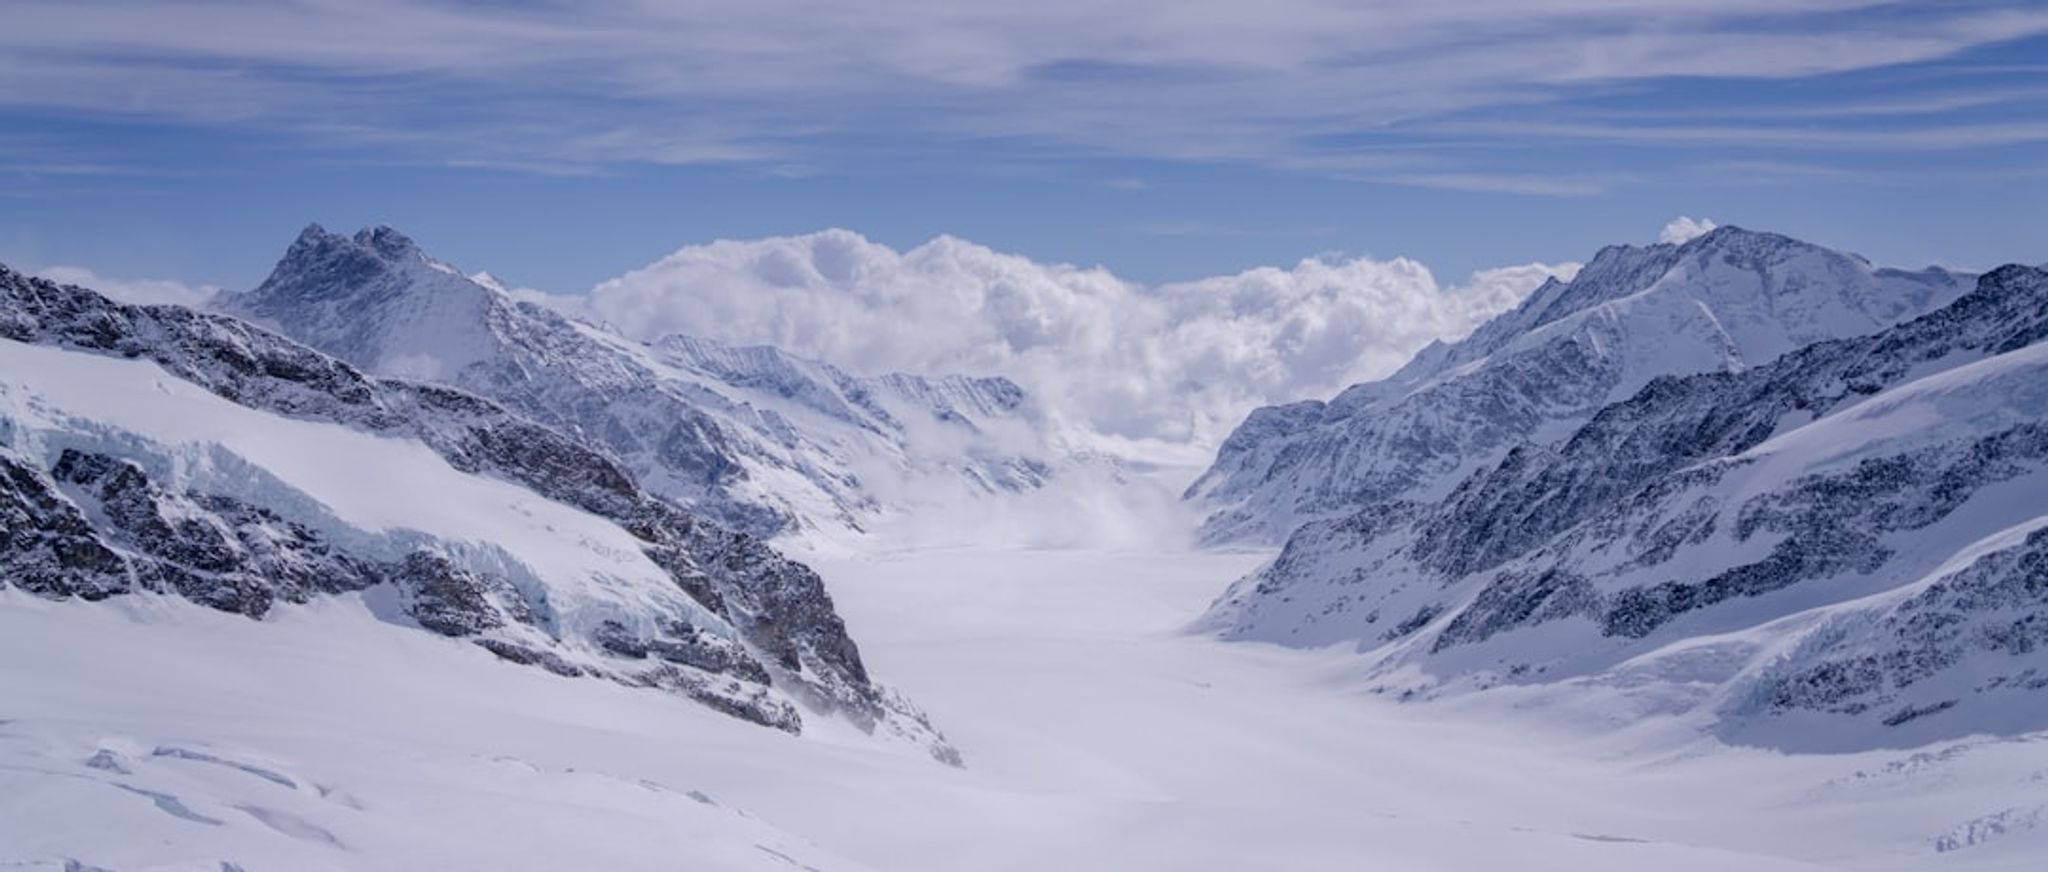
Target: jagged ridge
(1726, 505)
(1725, 301)
(93, 525)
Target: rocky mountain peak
(321, 264)
(387, 242)
(374, 299)
(1762, 251)
(1843, 521)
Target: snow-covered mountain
(1840, 549)
(761, 440)
(1845, 546)
(1722, 302)
(155, 449)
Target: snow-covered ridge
(153, 448)
(1841, 543)
(762, 440)
(1725, 301)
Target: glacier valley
(1097, 737)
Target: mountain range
(1726, 300)
(378, 561)
(758, 439)
(1828, 544)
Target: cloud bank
(142, 291)
(1173, 365)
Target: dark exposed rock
(1831, 523)
(741, 700)
(619, 641)
(213, 550)
(46, 546)
(691, 646)
(527, 656)
(1915, 712)
(1995, 605)
(1514, 600)
(455, 601)
(1421, 618)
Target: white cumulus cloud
(1169, 365)
(145, 291)
(1683, 228)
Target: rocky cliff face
(759, 440)
(1724, 302)
(1846, 533)
(100, 499)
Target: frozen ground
(151, 734)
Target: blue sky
(560, 144)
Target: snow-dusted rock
(1850, 532)
(154, 448)
(1723, 302)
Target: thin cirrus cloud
(782, 83)
(1123, 364)
(1923, 139)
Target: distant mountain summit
(378, 301)
(761, 440)
(1722, 302)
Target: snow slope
(761, 440)
(1098, 738)
(1725, 301)
(351, 484)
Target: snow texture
(1100, 739)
